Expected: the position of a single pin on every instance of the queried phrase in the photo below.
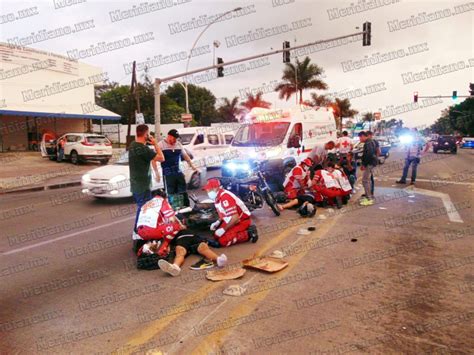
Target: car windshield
(447, 138)
(123, 160)
(261, 134)
(186, 138)
(97, 139)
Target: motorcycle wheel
(270, 200)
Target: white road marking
(453, 215)
(32, 246)
(441, 182)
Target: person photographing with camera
(139, 157)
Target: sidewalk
(28, 171)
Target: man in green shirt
(139, 158)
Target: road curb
(43, 188)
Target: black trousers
(175, 186)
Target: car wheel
(195, 181)
(74, 157)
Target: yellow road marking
(150, 332)
(211, 342)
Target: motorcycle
(200, 216)
(248, 181)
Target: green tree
(302, 76)
(202, 102)
(229, 110)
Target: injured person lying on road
(186, 243)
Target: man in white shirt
(320, 152)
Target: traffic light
(455, 95)
(367, 36)
(415, 96)
(220, 70)
(286, 54)
(471, 89)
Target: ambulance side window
(199, 139)
(296, 136)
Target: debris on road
(234, 290)
(220, 275)
(303, 231)
(267, 264)
(278, 254)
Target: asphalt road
(396, 277)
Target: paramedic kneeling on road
(234, 224)
(157, 221)
(296, 183)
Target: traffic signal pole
(158, 81)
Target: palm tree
(304, 75)
(368, 117)
(255, 101)
(342, 108)
(229, 110)
(319, 100)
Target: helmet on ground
(307, 210)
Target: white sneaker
(135, 236)
(222, 260)
(172, 269)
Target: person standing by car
(140, 156)
(368, 164)
(60, 148)
(174, 181)
(413, 154)
(370, 135)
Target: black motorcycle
(200, 216)
(247, 180)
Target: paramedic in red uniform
(326, 186)
(234, 224)
(157, 221)
(296, 183)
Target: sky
(417, 46)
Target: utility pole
(158, 81)
(132, 91)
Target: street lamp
(194, 45)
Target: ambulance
(279, 139)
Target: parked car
(467, 142)
(207, 144)
(113, 181)
(385, 146)
(79, 147)
(445, 143)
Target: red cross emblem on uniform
(345, 144)
(225, 203)
(169, 229)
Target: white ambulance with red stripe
(281, 138)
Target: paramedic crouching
(234, 224)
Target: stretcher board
(266, 264)
(223, 274)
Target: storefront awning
(95, 113)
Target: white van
(283, 137)
(208, 145)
